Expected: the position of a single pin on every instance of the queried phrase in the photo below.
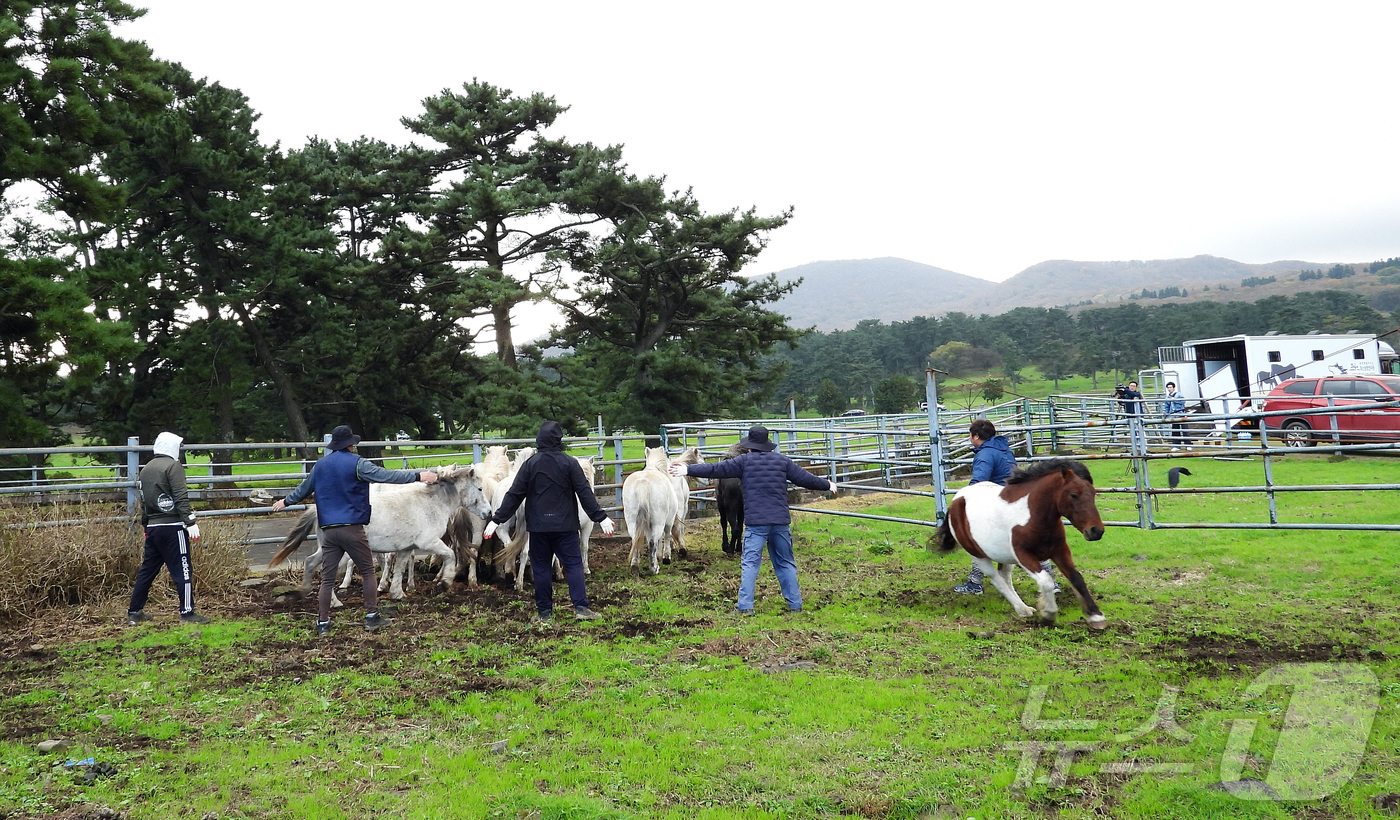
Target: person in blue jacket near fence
(765, 475)
(991, 461)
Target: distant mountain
(836, 295)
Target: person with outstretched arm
(767, 521)
(340, 480)
(554, 486)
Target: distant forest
(877, 362)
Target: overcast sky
(977, 137)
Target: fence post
(831, 452)
(1137, 443)
(1268, 470)
(700, 444)
(1084, 419)
(884, 453)
(792, 421)
(617, 468)
(1054, 431)
(1336, 437)
(935, 440)
(1029, 422)
(476, 453)
(133, 493)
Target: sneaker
(747, 613)
(543, 618)
(134, 618)
(583, 613)
(375, 620)
(388, 611)
(193, 618)
(1176, 449)
(968, 588)
(1058, 589)
(323, 627)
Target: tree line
(883, 364)
(165, 268)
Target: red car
(1374, 424)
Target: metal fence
(109, 473)
(907, 454)
(902, 453)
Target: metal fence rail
(892, 452)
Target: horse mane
(1041, 469)
(656, 458)
(690, 455)
(522, 455)
(735, 451)
(496, 461)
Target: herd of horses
(1020, 524)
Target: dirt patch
(1221, 653)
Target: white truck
(1219, 375)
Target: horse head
(656, 458)
(1075, 500)
(471, 491)
(690, 455)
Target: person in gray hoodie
(170, 528)
(992, 461)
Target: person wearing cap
(340, 480)
(554, 485)
(992, 460)
(767, 521)
(170, 528)
(1174, 404)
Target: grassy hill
(835, 295)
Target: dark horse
(1020, 524)
(729, 496)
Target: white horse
(406, 516)
(465, 530)
(516, 541)
(654, 506)
(585, 524)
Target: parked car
(402, 436)
(855, 411)
(1374, 424)
(923, 407)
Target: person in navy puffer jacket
(765, 477)
(992, 461)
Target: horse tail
(303, 528)
(510, 552)
(942, 540)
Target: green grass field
(891, 696)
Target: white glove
(832, 489)
(490, 529)
(193, 530)
(608, 526)
(679, 470)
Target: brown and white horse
(1020, 524)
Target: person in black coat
(555, 486)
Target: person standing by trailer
(767, 520)
(170, 529)
(992, 461)
(554, 485)
(340, 481)
(1174, 404)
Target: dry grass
(49, 564)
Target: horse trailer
(1220, 375)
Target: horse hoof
(1101, 623)
(666, 561)
(684, 554)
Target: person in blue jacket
(991, 461)
(765, 475)
(341, 482)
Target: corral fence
(230, 484)
(918, 454)
(909, 454)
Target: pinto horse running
(1020, 524)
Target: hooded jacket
(765, 478)
(554, 484)
(993, 461)
(165, 499)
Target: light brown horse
(1021, 524)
